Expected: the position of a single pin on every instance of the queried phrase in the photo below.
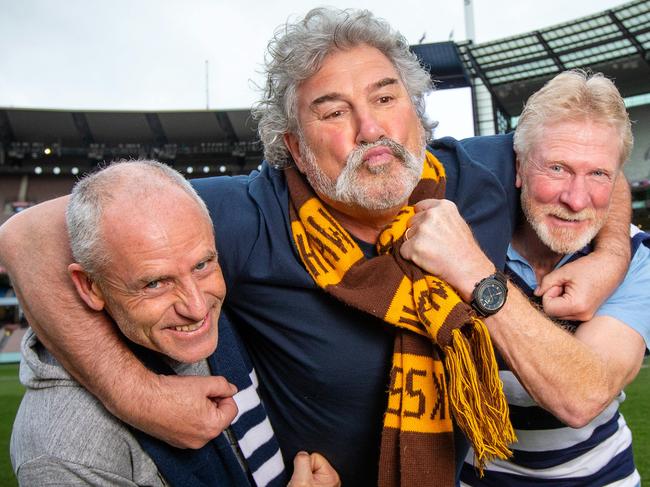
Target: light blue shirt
(630, 302)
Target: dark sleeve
(481, 181)
(235, 218)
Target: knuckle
(448, 205)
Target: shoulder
(491, 151)
(481, 182)
(50, 470)
(240, 191)
(64, 430)
(630, 302)
(241, 208)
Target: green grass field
(10, 394)
(635, 409)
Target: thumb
(218, 386)
(555, 302)
(302, 472)
(550, 280)
(551, 292)
(318, 462)
(220, 392)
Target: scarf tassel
(475, 394)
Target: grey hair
(95, 192)
(297, 51)
(574, 95)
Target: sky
(151, 54)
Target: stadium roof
(615, 42)
(80, 128)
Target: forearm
(35, 251)
(561, 373)
(572, 378)
(614, 237)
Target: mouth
(378, 156)
(192, 327)
(570, 220)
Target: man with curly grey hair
(330, 312)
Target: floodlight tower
(469, 20)
(470, 35)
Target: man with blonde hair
(563, 380)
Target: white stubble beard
(561, 240)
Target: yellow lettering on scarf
(417, 389)
(325, 247)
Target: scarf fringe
(476, 395)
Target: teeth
(192, 327)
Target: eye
(334, 114)
(556, 168)
(201, 265)
(385, 99)
(153, 285)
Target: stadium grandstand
(43, 151)
(12, 322)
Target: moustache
(563, 213)
(357, 156)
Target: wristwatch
(489, 294)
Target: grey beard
(348, 189)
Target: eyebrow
(334, 96)
(383, 82)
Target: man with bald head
(144, 252)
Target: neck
(542, 259)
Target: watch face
(491, 295)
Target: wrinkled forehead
(345, 70)
(582, 140)
(156, 231)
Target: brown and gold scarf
(433, 325)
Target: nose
(575, 195)
(369, 128)
(191, 303)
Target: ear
(518, 178)
(293, 146)
(87, 289)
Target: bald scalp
(121, 189)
